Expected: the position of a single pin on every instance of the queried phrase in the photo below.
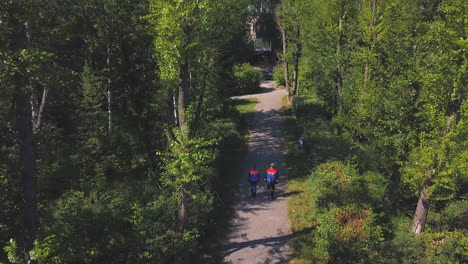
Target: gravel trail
(260, 229)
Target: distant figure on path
(271, 179)
(253, 179)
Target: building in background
(264, 33)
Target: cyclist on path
(253, 179)
(271, 179)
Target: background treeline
(379, 89)
(113, 113)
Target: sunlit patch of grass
(246, 106)
(246, 109)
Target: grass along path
(321, 145)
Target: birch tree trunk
(184, 203)
(183, 87)
(338, 75)
(281, 26)
(297, 56)
(285, 61)
(372, 37)
(40, 113)
(109, 93)
(422, 209)
(295, 75)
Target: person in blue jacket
(271, 179)
(253, 179)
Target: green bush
(247, 79)
(9, 219)
(347, 234)
(340, 184)
(428, 247)
(347, 222)
(278, 75)
(451, 217)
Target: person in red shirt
(271, 179)
(253, 177)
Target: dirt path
(260, 230)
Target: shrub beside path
(260, 231)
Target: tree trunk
(28, 167)
(295, 75)
(420, 215)
(339, 88)
(109, 114)
(184, 203)
(297, 56)
(25, 134)
(183, 210)
(339, 79)
(285, 61)
(172, 106)
(109, 93)
(200, 100)
(40, 113)
(422, 209)
(372, 37)
(183, 87)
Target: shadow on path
(260, 231)
(274, 243)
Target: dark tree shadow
(273, 243)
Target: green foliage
(347, 235)
(430, 247)
(42, 249)
(160, 242)
(12, 251)
(9, 210)
(347, 231)
(188, 169)
(188, 160)
(108, 70)
(336, 184)
(278, 75)
(246, 78)
(392, 74)
(452, 217)
(446, 158)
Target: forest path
(260, 230)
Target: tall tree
(188, 51)
(290, 19)
(437, 167)
(19, 50)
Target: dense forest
(379, 96)
(115, 114)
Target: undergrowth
(337, 214)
